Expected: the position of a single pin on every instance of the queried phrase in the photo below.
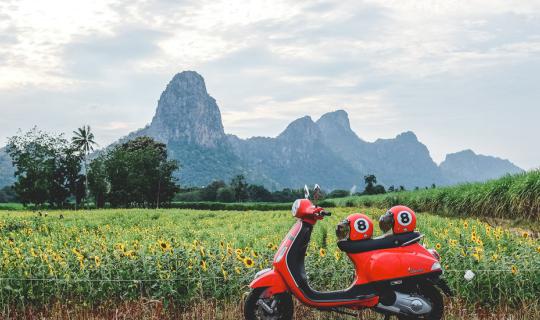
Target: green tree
(139, 174)
(8, 194)
(225, 194)
(83, 141)
(97, 181)
(209, 193)
(258, 193)
(46, 167)
(370, 180)
(239, 187)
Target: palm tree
(83, 140)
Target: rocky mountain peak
(187, 83)
(408, 136)
(302, 128)
(338, 118)
(187, 113)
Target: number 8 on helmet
(356, 226)
(398, 219)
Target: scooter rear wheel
(430, 293)
(259, 307)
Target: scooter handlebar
(325, 213)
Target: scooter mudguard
(270, 279)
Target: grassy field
(182, 256)
(515, 197)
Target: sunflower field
(181, 256)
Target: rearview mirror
(316, 193)
(306, 192)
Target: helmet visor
(342, 230)
(386, 222)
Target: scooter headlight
(436, 266)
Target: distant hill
(325, 151)
(469, 166)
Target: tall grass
(510, 197)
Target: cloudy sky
(460, 74)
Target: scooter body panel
(272, 280)
(393, 263)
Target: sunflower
(248, 262)
(97, 261)
(239, 251)
(525, 235)
(203, 265)
(322, 252)
(165, 246)
(438, 246)
(337, 255)
(514, 270)
(237, 270)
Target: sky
(461, 74)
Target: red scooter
(394, 275)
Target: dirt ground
(149, 309)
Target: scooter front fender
(271, 279)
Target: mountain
(469, 166)
(326, 151)
(402, 160)
(295, 157)
(6, 169)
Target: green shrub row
(240, 206)
(510, 197)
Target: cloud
(95, 54)
(438, 68)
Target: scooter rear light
(435, 254)
(436, 266)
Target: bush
(225, 194)
(338, 194)
(510, 197)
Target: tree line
(52, 170)
(237, 190)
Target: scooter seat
(388, 242)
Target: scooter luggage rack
(412, 240)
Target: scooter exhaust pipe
(404, 304)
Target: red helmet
(400, 219)
(357, 226)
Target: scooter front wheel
(259, 307)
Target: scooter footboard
(271, 279)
